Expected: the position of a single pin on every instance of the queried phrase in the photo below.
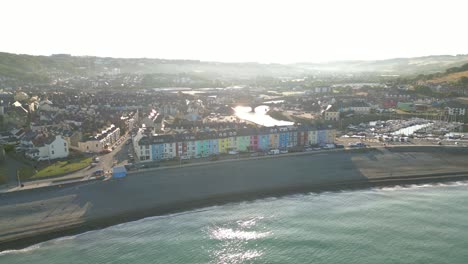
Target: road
(117, 157)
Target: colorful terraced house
(208, 143)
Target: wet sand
(32, 216)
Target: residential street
(106, 162)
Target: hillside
(28, 66)
(400, 66)
(454, 75)
(449, 78)
(38, 69)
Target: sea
(408, 224)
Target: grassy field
(26, 172)
(63, 167)
(10, 165)
(452, 77)
(3, 173)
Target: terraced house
(206, 143)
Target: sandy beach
(36, 215)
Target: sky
(236, 31)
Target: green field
(3, 173)
(63, 167)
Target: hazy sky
(217, 30)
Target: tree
(463, 81)
(423, 90)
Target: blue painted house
(264, 142)
(157, 151)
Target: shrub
(9, 148)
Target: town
(83, 128)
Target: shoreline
(127, 217)
(24, 237)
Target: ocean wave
(18, 251)
(250, 222)
(419, 186)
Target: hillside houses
(357, 107)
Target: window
(52, 152)
(65, 144)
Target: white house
(455, 108)
(332, 116)
(53, 147)
(100, 142)
(456, 111)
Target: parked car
(273, 152)
(98, 173)
(357, 145)
(329, 146)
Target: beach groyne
(36, 215)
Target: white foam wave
(18, 251)
(419, 186)
(231, 234)
(65, 238)
(250, 222)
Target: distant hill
(28, 66)
(400, 66)
(449, 78)
(453, 75)
(43, 68)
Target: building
(153, 120)
(332, 116)
(455, 108)
(52, 147)
(206, 143)
(357, 107)
(408, 107)
(98, 143)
